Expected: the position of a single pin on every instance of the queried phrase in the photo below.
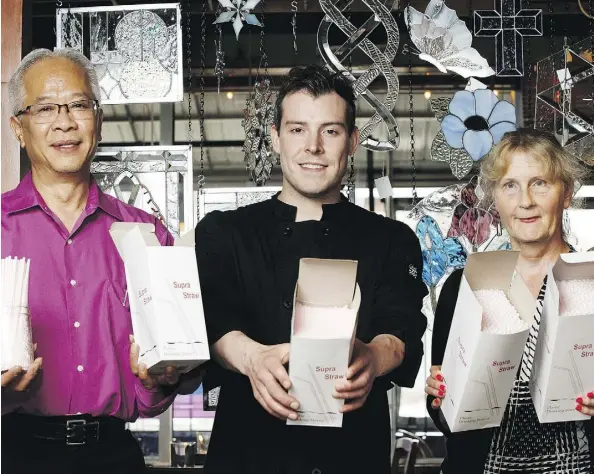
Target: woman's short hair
(543, 146)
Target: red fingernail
(442, 388)
(439, 377)
(590, 394)
(434, 402)
(578, 407)
(580, 400)
(440, 394)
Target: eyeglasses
(47, 113)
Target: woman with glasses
(530, 178)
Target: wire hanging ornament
(219, 69)
(258, 119)
(294, 9)
(350, 184)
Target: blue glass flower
(477, 121)
(439, 254)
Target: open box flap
(491, 270)
(574, 266)
(326, 282)
(119, 229)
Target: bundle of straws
(15, 322)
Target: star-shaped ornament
(237, 12)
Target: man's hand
(16, 380)
(264, 366)
(360, 377)
(170, 377)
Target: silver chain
(294, 8)
(202, 67)
(415, 197)
(189, 68)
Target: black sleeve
(444, 313)
(398, 301)
(219, 277)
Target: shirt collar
(25, 196)
(286, 212)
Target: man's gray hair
(16, 91)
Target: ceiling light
(427, 95)
(229, 95)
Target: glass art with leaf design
(136, 49)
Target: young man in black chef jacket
(248, 261)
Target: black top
(248, 261)
(526, 443)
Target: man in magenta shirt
(67, 412)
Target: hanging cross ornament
(357, 38)
(508, 23)
(237, 12)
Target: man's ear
(354, 141)
(275, 139)
(99, 123)
(17, 129)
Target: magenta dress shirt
(80, 314)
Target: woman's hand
(436, 386)
(585, 404)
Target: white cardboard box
(564, 361)
(165, 298)
(321, 348)
(479, 368)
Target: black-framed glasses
(47, 113)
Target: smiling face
(531, 202)
(65, 146)
(314, 144)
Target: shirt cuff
(152, 402)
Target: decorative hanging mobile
(509, 23)
(357, 38)
(472, 122)
(259, 116)
(564, 85)
(443, 40)
(237, 12)
(219, 69)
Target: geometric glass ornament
(228, 199)
(156, 179)
(136, 49)
(564, 85)
(508, 23)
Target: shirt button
(80, 368)
(326, 231)
(69, 241)
(287, 304)
(76, 324)
(288, 231)
(72, 282)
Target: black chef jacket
(248, 261)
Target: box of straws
(325, 310)
(165, 298)
(563, 367)
(489, 330)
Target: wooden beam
(12, 21)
